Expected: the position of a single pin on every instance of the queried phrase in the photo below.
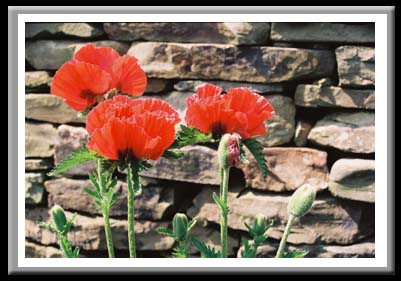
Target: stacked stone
(319, 78)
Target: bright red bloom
(94, 71)
(239, 111)
(122, 128)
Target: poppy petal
(103, 57)
(128, 76)
(78, 83)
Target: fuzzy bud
(59, 218)
(229, 151)
(259, 224)
(180, 226)
(301, 201)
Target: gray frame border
(13, 12)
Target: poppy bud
(301, 201)
(180, 225)
(259, 224)
(228, 151)
(59, 218)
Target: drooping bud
(229, 151)
(180, 226)
(259, 224)
(59, 218)
(301, 201)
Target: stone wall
(320, 78)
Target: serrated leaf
(115, 197)
(223, 206)
(172, 154)
(190, 135)
(191, 224)
(256, 148)
(295, 254)
(205, 250)
(80, 156)
(75, 253)
(248, 250)
(92, 193)
(181, 251)
(165, 231)
(93, 180)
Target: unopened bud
(180, 225)
(59, 218)
(301, 201)
(229, 151)
(259, 224)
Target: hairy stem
(224, 214)
(105, 210)
(132, 178)
(283, 241)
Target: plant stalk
(224, 214)
(105, 210)
(132, 178)
(283, 241)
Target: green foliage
(205, 250)
(258, 233)
(256, 148)
(220, 202)
(80, 156)
(189, 135)
(61, 232)
(172, 154)
(295, 254)
(106, 196)
(181, 233)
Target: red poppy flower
(94, 71)
(239, 111)
(122, 128)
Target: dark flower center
(218, 129)
(126, 155)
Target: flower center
(126, 155)
(218, 129)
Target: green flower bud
(229, 151)
(301, 201)
(259, 224)
(180, 225)
(59, 218)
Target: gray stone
(211, 237)
(47, 30)
(228, 62)
(237, 33)
(323, 32)
(68, 140)
(356, 66)
(353, 179)
(46, 107)
(88, 234)
(154, 202)
(33, 250)
(37, 79)
(301, 132)
(280, 128)
(192, 86)
(38, 164)
(198, 165)
(156, 86)
(350, 132)
(329, 221)
(39, 140)
(34, 188)
(359, 250)
(315, 96)
(50, 55)
(288, 169)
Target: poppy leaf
(80, 156)
(205, 250)
(171, 154)
(190, 135)
(256, 148)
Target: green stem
(224, 213)
(132, 178)
(283, 241)
(63, 248)
(105, 210)
(107, 230)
